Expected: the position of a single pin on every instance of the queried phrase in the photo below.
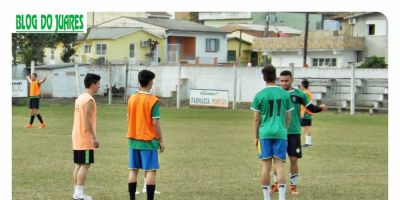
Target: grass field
(209, 155)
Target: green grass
(209, 155)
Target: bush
(100, 61)
(374, 62)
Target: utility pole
(306, 41)
(126, 82)
(240, 47)
(267, 18)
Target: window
(132, 50)
(231, 55)
(360, 56)
(371, 29)
(375, 27)
(52, 56)
(87, 49)
(101, 49)
(212, 45)
(324, 62)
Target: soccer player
(144, 134)
(294, 140)
(34, 95)
(84, 139)
(271, 106)
(306, 115)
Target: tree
(194, 16)
(67, 39)
(16, 44)
(374, 62)
(29, 46)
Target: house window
(376, 28)
(324, 62)
(101, 49)
(52, 54)
(371, 29)
(87, 48)
(231, 55)
(131, 50)
(360, 56)
(212, 45)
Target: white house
(325, 49)
(372, 26)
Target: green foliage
(194, 16)
(374, 62)
(100, 61)
(29, 46)
(67, 39)
(67, 53)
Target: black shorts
(83, 156)
(34, 103)
(305, 122)
(294, 145)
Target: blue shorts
(268, 148)
(143, 159)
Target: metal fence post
(352, 90)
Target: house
(372, 26)
(120, 45)
(325, 49)
(292, 19)
(96, 18)
(247, 33)
(240, 49)
(258, 30)
(186, 41)
(53, 55)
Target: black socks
(40, 118)
(150, 191)
(32, 118)
(132, 190)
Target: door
(254, 59)
(132, 54)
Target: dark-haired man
(294, 140)
(306, 115)
(144, 134)
(84, 139)
(271, 106)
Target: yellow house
(118, 45)
(243, 43)
(53, 55)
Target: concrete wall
(61, 81)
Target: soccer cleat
(293, 190)
(28, 126)
(82, 197)
(306, 145)
(137, 192)
(43, 125)
(274, 188)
